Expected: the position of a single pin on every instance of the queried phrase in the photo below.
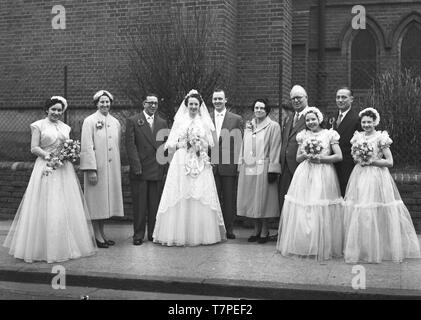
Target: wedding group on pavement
(330, 188)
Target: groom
(146, 174)
(225, 153)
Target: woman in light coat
(100, 161)
(259, 169)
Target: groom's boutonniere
(99, 124)
(140, 122)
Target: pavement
(235, 268)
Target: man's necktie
(338, 122)
(150, 121)
(295, 119)
(219, 118)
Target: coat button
(109, 149)
(109, 137)
(109, 160)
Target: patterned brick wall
(263, 42)
(252, 37)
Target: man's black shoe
(137, 242)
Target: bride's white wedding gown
(189, 212)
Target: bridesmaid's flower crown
(367, 111)
(315, 111)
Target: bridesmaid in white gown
(189, 212)
(52, 223)
(378, 225)
(312, 215)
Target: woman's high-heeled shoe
(263, 239)
(254, 238)
(110, 242)
(101, 245)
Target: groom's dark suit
(225, 172)
(289, 149)
(146, 174)
(349, 124)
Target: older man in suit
(346, 123)
(294, 124)
(225, 155)
(146, 174)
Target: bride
(189, 212)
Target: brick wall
(409, 185)
(14, 178)
(383, 19)
(263, 42)
(250, 38)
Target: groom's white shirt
(219, 119)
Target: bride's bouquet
(197, 148)
(362, 152)
(67, 151)
(313, 147)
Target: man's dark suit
(225, 172)
(289, 154)
(349, 124)
(146, 188)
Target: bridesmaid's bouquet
(362, 152)
(68, 151)
(313, 147)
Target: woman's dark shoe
(110, 242)
(254, 238)
(101, 245)
(264, 239)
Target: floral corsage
(332, 122)
(99, 124)
(140, 122)
(250, 126)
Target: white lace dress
(189, 212)
(378, 225)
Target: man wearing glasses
(289, 147)
(146, 174)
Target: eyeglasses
(152, 103)
(297, 98)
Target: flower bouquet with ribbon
(197, 152)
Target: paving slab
(234, 268)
